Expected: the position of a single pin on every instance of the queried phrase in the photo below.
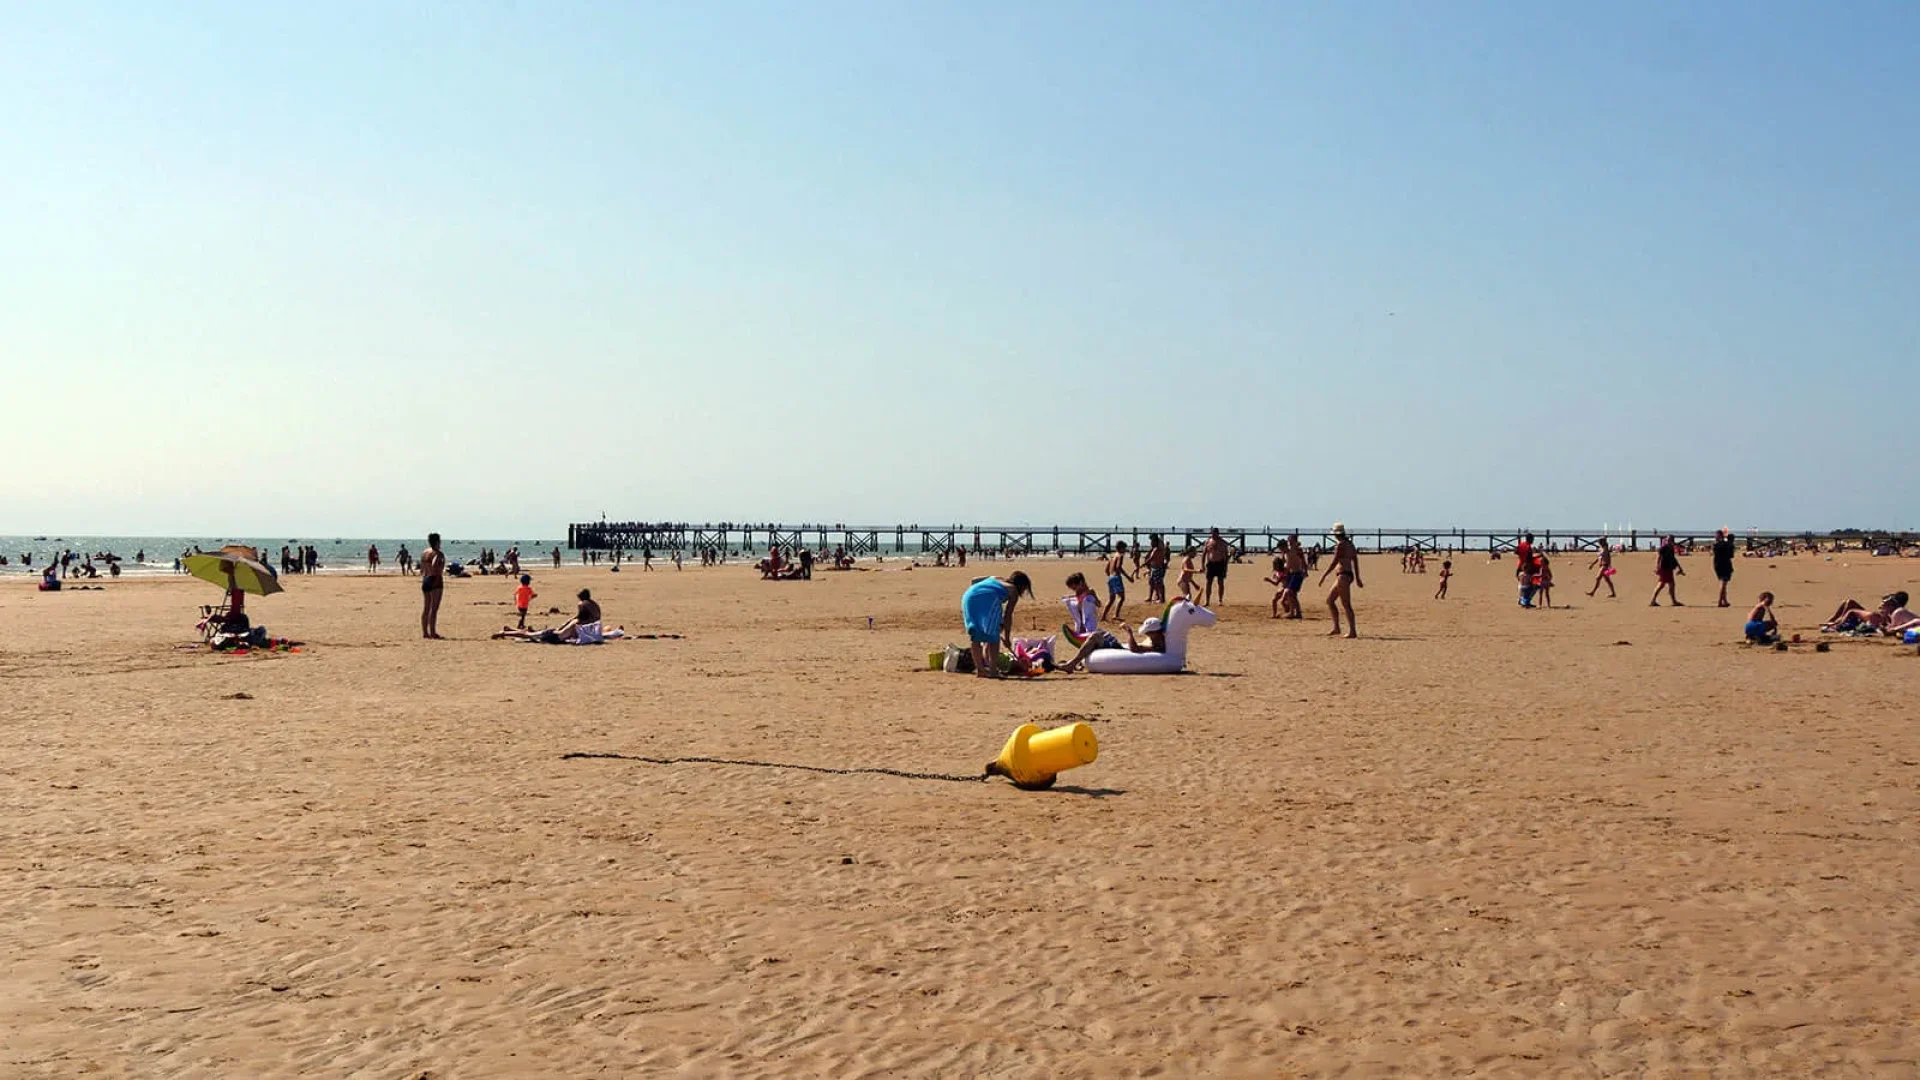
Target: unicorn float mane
(1180, 617)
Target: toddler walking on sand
(1446, 575)
(523, 596)
(1279, 582)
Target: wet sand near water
(1605, 840)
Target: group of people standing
(987, 607)
(1215, 555)
(1666, 567)
(1533, 570)
(299, 560)
(403, 558)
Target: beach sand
(1479, 840)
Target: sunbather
(1891, 617)
(582, 629)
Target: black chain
(953, 778)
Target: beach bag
(958, 660)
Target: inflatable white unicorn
(1182, 616)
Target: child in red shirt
(523, 596)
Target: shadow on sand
(951, 778)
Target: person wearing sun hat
(1346, 563)
(1155, 632)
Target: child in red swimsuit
(523, 597)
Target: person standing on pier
(1216, 554)
(1346, 564)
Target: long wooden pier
(862, 541)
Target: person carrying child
(1296, 561)
(1666, 564)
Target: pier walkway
(1030, 540)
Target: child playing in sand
(1604, 562)
(522, 597)
(1279, 583)
(1543, 580)
(1762, 628)
(1446, 575)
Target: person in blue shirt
(987, 609)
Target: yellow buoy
(1033, 758)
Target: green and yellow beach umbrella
(247, 572)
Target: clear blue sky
(373, 269)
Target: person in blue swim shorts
(1762, 628)
(987, 608)
(1117, 578)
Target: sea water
(337, 554)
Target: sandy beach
(1607, 840)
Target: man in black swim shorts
(1216, 553)
(433, 571)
